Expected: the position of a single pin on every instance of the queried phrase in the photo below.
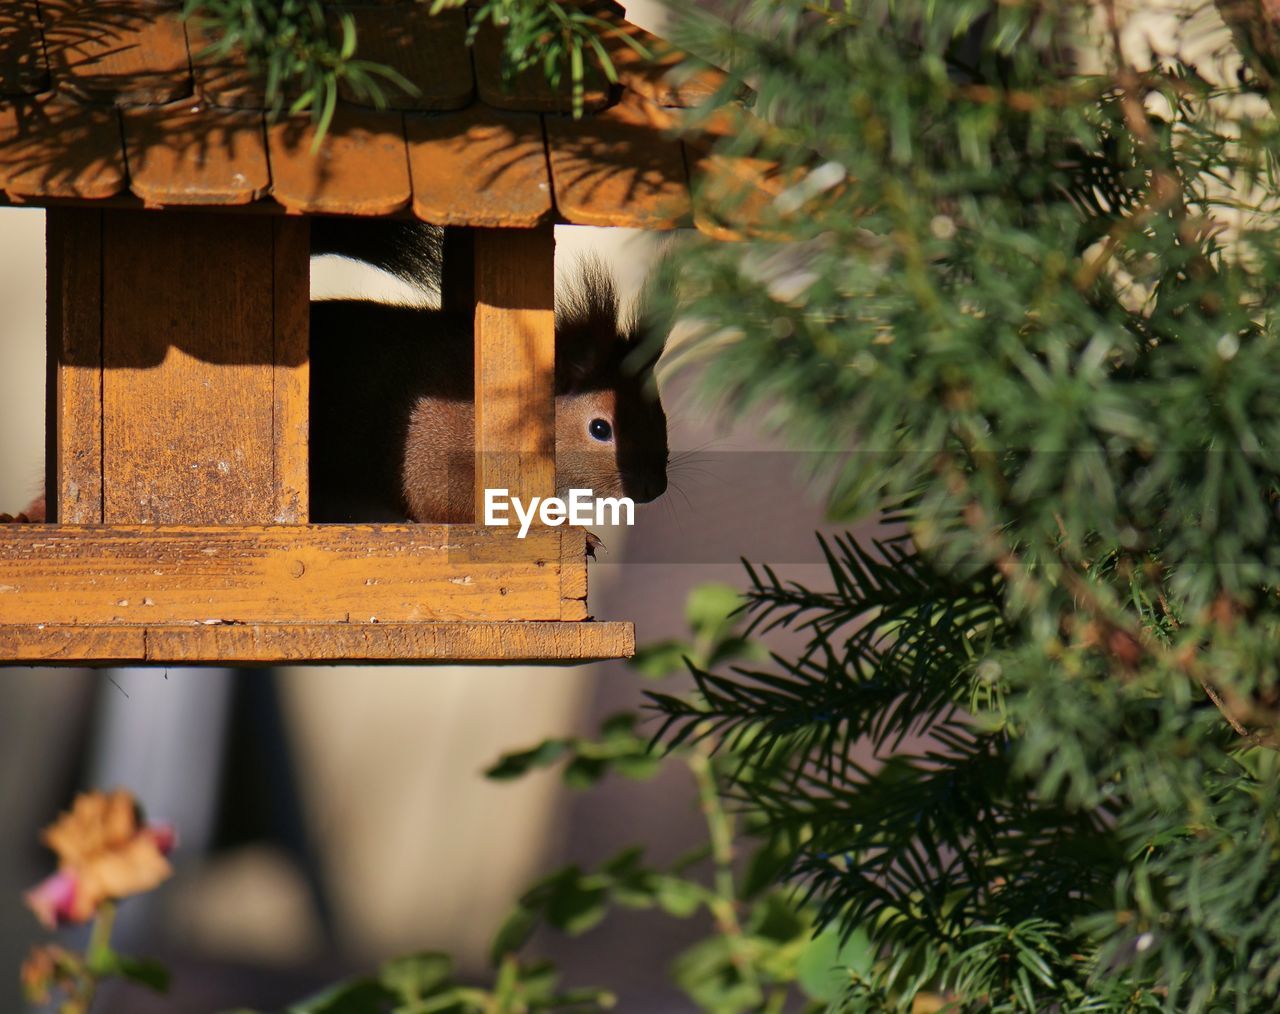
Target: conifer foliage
(1030, 278)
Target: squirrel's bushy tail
(412, 251)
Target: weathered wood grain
(291, 295)
(428, 50)
(618, 168)
(63, 575)
(23, 70)
(73, 433)
(573, 579)
(41, 644)
(515, 343)
(123, 51)
(55, 149)
(188, 356)
(265, 644)
(479, 167)
(185, 154)
(359, 169)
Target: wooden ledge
(246, 595)
(153, 576)
(327, 643)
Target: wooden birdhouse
(178, 270)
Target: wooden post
(73, 420)
(515, 343)
(291, 376)
(181, 344)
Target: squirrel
(393, 431)
(392, 392)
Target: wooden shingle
(528, 91)
(222, 79)
(361, 168)
(121, 51)
(185, 155)
(479, 167)
(663, 76)
(430, 51)
(51, 147)
(618, 168)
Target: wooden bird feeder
(178, 304)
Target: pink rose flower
(105, 852)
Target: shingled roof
(111, 102)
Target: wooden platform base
(331, 643)
(99, 595)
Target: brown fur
(393, 408)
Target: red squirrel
(392, 393)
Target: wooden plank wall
(181, 348)
(73, 424)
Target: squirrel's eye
(600, 429)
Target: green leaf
(626, 864)
(415, 976)
(711, 608)
(515, 765)
(575, 907)
(678, 897)
(140, 971)
(584, 772)
(775, 917)
(513, 934)
(735, 648)
(144, 972)
(640, 768)
(620, 726)
(828, 964)
(661, 659)
(354, 996)
(708, 974)
(766, 866)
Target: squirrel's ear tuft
(595, 343)
(587, 327)
(589, 299)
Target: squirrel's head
(611, 432)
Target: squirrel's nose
(649, 487)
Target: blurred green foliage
(1028, 287)
(425, 984)
(761, 950)
(305, 50)
(302, 50)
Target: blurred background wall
(331, 817)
